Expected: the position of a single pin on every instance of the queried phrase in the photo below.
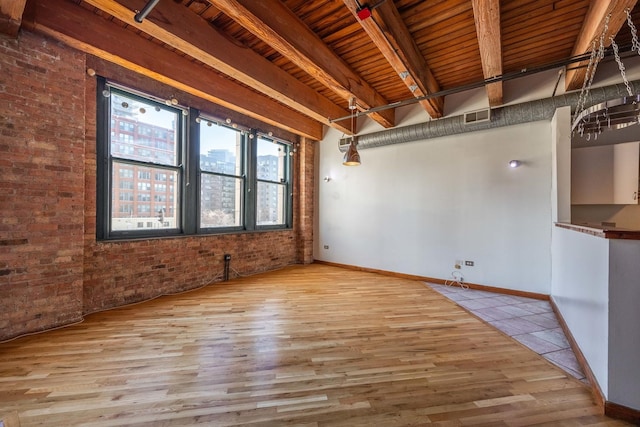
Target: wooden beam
(180, 28)
(275, 24)
(11, 16)
(486, 14)
(87, 32)
(390, 34)
(592, 29)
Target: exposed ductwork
(542, 109)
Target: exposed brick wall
(52, 269)
(117, 273)
(41, 184)
(304, 206)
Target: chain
(594, 59)
(635, 45)
(621, 66)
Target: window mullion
(103, 178)
(191, 168)
(289, 186)
(251, 164)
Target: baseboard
(621, 412)
(611, 409)
(582, 361)
(476, 286)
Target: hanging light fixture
(352, 157)
(612, 114)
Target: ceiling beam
(11, 16)
(88, 32)
(180, 28)
(592, 29)
(275, 24)
(486, 14)
(389, 33)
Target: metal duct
(542, 109)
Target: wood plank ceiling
(296, 64)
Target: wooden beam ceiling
(11, 16)
(275, 24)
(592, 29)
(86, 31)
(486, 14)
(181, 29)
(390, 34)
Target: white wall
(580, 289)
(561, 165)
(624, 330)
(418, 207)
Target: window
(164, 170)
(222, 182)
(273, 183)
(131, 165)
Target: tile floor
(530, 321)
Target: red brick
(53, 270)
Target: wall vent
(477, 116)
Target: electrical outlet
(326, 246)
(469, 263)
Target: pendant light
(352, 157)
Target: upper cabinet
(605, 175)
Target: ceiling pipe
(140, 15)
(502, 78)
(542, 109)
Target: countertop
(601, 231)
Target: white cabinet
(605, 175)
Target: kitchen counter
(594, 284)
(601, 231)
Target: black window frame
(286, 182)
(245, 135)
(189, 175)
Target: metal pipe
(139, 17)
(541, 109)
(475, 85)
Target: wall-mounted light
(514, 163)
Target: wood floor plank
(307, 345)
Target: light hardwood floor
(307, 345)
